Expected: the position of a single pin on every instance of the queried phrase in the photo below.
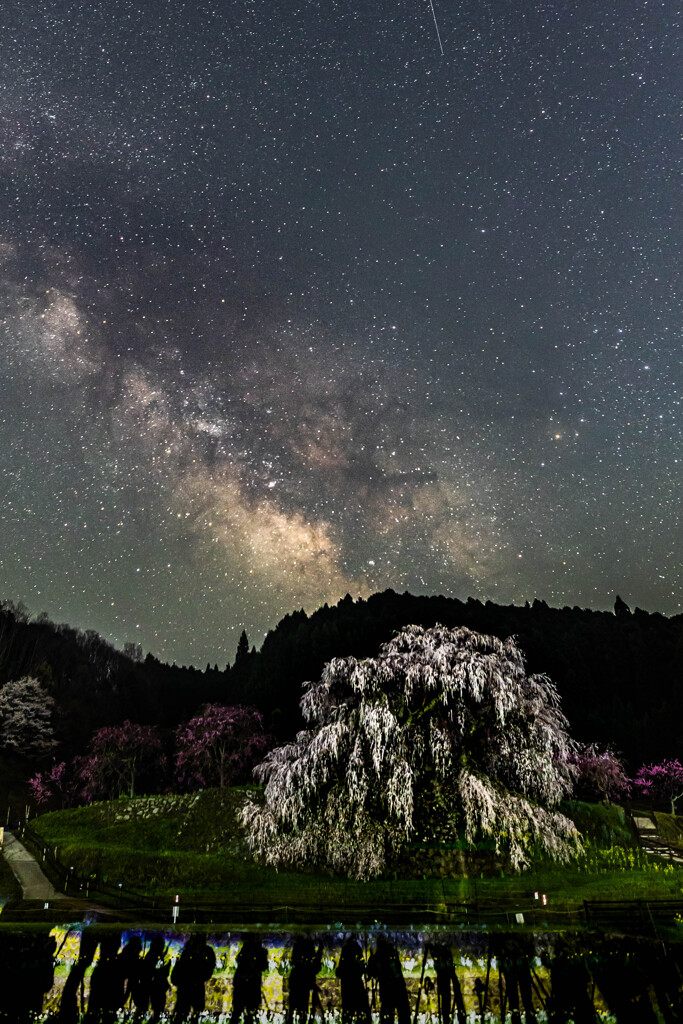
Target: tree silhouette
(118, 756)
(600, 774)
(443, 734)
(220, 746)
(662, 781)
(242, 653)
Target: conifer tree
(242, 652)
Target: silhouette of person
(150, 988)
(354, 996)
(27, 974)
(303, 987)
(69, 1012)
(569, 982)
(106, 983)
(159, 986)
(129, 964)
(192, 971)
(481, 993)
(515, 969)
(619, 975)
(660, 966)
(40, 971)
(12, 981)
(385, 966)
(252, 961)
(447, 984)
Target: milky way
(295, 306)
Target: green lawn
(193, 844)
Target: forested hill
(95, 684)
(619, 674)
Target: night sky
(293, 305)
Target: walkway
(652, 842)
(27, 871)
(36, 888)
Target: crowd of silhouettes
(636, 980)
(133, 980)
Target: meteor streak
(436, 26)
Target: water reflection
(98, 974)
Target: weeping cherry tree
(444, 736)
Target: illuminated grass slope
(193, 843)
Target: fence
(516, 909)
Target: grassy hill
(156, 842)
(193, 845)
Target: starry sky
(295, 305)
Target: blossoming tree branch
(444, 735)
